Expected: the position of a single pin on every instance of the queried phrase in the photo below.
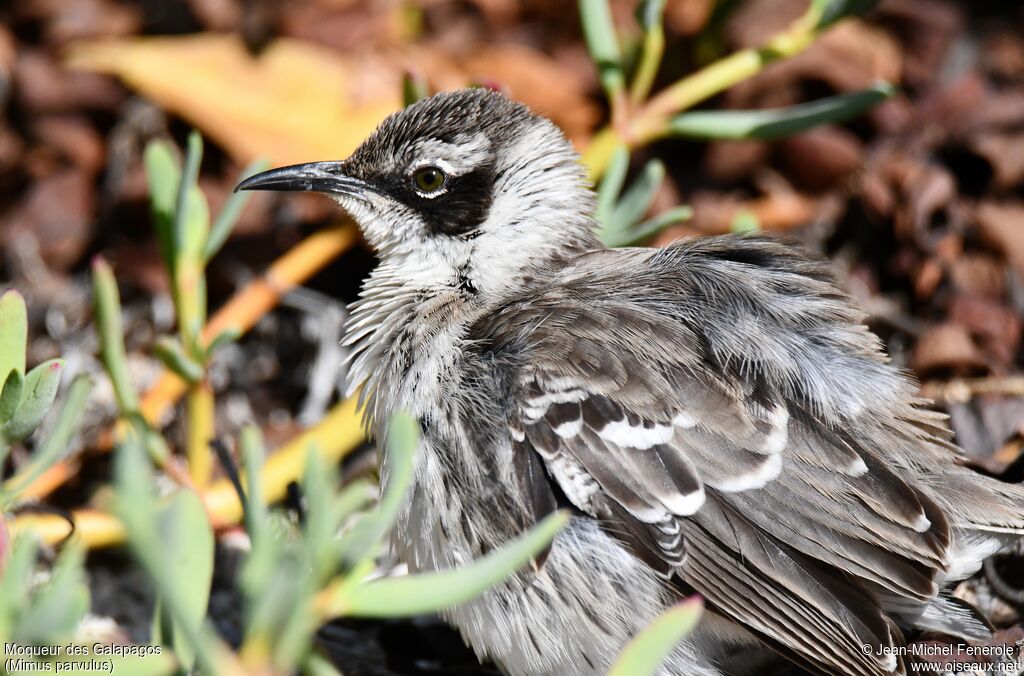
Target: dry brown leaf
(1002, 54)
(73, 138)
(57, 213)
(8, 55)
(995, 327)
(730, 161)
(947, 346)
(688, 17)
(11, 149)
(979, 275)
(1001, 225)
(927, 29)
(927, 277)
(948, 114)
(821, 158)
(1005, 154)
(218, 15)
(295, 102)
(41, 86)
(347, 27)
(927, 211)
(988, 427)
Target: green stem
(718, 77)
(199, 407)
(651, 121)
(651, 51)
(191, 293)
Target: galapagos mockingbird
(714, 413)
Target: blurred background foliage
(156, 312)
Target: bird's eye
(429, 179)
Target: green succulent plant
(31, 611)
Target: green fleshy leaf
(294, 638)
(271, 604)
(649, 228)
(56, 609)
(186, 540)
(162, 175)
(251, 446)
(318, 665)
(745, 221)
(59, 441)
(196, 232)
(170, 352)
(278, 578)
(620, 221)
(639, 196)
(13, 332)
(355, 496)
(430, 592)
(153, 441)
(320, 527)
(778, 123)
(10, 396)
(599, 32)
(40, 390)
(232, 209)
(134, 494)
(158, 538)
(274, 579)
(403, 435)
(110, 327)
(282, 614)
(611, 185)
(15, 583)
(643, 655)
(186, 204)
(266, 585)
(225, 337)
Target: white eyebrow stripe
(462, 156)
(437, 162)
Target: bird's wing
(703, 402)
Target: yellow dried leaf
(294, 102)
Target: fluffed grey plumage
(714, 412)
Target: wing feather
(826, 622)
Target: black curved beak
(325, 177)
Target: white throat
(397, 318)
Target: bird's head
(464, 185)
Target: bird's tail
(986, 515)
